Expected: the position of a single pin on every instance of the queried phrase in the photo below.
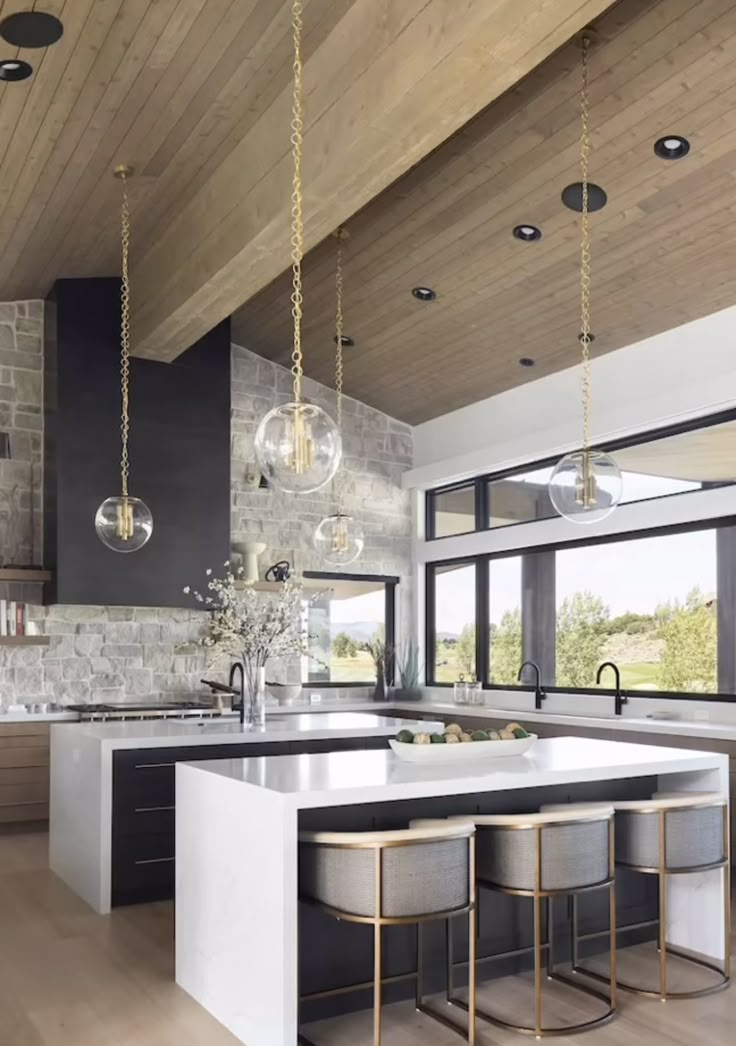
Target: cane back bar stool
(671, 834)
(544, 856)
(394, 878)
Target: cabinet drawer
(145, 820)
(143, 870)
(8, 730)
(24, 792)
(24, 812)
(24, 775)
(26, 756)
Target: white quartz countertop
(342, 778)
(39, 717)
(447, 711)
(178, 733)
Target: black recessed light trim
(424, 293)
(671, 147)
(31, 29)
(591, 337)
(572, 197)
(13, 69)
(345, 340)
(526, 361)
(527, 233)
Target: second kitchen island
(112, 805)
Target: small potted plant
(382, 657)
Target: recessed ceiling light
(345, 340)
(591, 337)
(31, 29)
(672, 147)
(572, 197)
(526, 361)
(13, 69)
(424, 293)
(527, 233)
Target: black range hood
(179, 454)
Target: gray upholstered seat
(423, 871)
(574, 849)
(694, 834)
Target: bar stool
(392, 878)
(670, 834)
(543, 856)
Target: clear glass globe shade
(339, 539)
(585, 487)
(124, 524)
(298, 447)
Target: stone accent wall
(99, 654)
(377, 450)
(21, 417)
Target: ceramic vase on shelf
(250, 551)
(254, 699)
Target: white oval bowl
(462, 751)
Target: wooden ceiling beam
(387, 85)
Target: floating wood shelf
(309, 584)
(25, 640)
(23, 574)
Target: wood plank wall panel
(661, 252)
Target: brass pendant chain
(297, 217)
(585, 244)
(122, 173)
(340, 235)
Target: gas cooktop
(145, 710)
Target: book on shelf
(3, 617)
(20, 619)
(12, 617)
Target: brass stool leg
(537, 965)
(419, 983)
(377, 984)
(472, 973)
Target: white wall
(683, 373)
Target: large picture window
(649, 605)
(661, 606)
(454, 621)
(345, 617)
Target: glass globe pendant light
(586, 485)
(122, 522)
(339, 537)
(297, 444)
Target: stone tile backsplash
(99, 654)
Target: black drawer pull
(149, 766)
(155, 860)
(152, 809)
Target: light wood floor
(69, 977)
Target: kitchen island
(229, 809)
(111, 822)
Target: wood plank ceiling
(663, 248)
(196, 94)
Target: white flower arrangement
(250, 625)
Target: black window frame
(482, 620)
(390, 583)
(481, 482)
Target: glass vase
(254, 699)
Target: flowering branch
(245, 624)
